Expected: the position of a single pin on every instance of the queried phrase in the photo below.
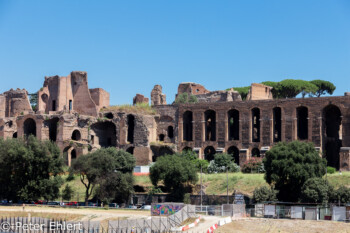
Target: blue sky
(129, 46)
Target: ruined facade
(79, 120)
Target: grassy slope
(216, 183)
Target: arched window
(302, 127)
(210, 125)
(187, 126)
(29, 127)
(209, 153)
(277, 124)
(105, 133)
(255, 152)
(256, 125)
(233, 124)
(161, 137)
(170, 132)
(76, 135)
(234, 152)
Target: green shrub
(316, 190)
(253, 165)
(341, 195)
(221, 162)
(330, 170)
(263, 194)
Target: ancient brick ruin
(79, 120)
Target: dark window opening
(53, 105)
(187, 148)
(233, 125)
(130, 150)
(277, 124)
(302, 118)
(70, 105)
(161, 137)
(170, 132)
(52, 124)
(187, 126)
(29, 127)
(131, 126)
(235, 153)
(76, 135)
(256, 125)
(105, 132)
(210, 125)
(73, 155)
(331, 131)
(92, 139)
(14, 135)
(109, 115)
(209, 153)
(255, 152)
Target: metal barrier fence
(222, 210)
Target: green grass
(142, 108)
(338, 180)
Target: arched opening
(234, 152)
(256, 125)
(233, 124)
(131, 127)
(187, 126)
(29, 127)
(277, 124)
(14, 135)
(109, 115)
(52, 125)
(210, 125)
(160, 151)
(76, 135)
(161, 137)
(170, 131)
(332, 134)
(255, 152)
(130, 150)
(302, 123)
(105, 133)
(209, 153)
(73, 155)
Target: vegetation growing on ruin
(291, 88)
(141, 108)
(185, 98)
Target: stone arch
(234, 151)
(131, 128)
(332, 127)
(69, 155)
(210, 125)
(161, 137)
(187, 148)
(187, 126)
(170, 131)
(14, 135)
(160, 151)
(233, 124)
(105, 133)
(109, 115)
(76, 135)
(209, 153)
(52, 124)
(29, 127)
(255, 152)
(277, 124)
(256, 125)
(302, 123)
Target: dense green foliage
(289, 165)
(331, 170)
(29, 169)
(263, 194)
(67, 193)
(185, 98)
(316, 190)
(221, 162)
(109, 168)
(341, 195)
(323, 87)
(193, 158)
(253, 165)
(290, 88)
(175, 172)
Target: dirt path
(89, 214)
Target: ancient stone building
(79, 120)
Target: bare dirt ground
(283, 226)
(86, 214)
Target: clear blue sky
(129, 46)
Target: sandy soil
(283, 226)
(89, 214)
